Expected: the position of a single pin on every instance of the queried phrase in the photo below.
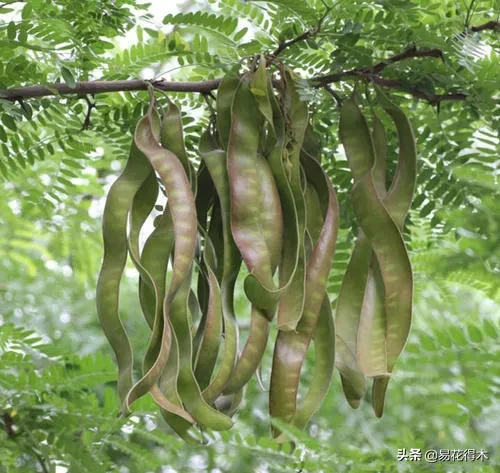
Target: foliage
(57, 160)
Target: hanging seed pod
(373, 320)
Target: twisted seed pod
(291, 347)
(215, 161)
(292, 266)
(211, 325)
(385, 313)
(116, 210)
(323, 367)
(254, 204)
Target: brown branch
(410, 53)
(303, 36)
(433, 99)
(490, 25)
(90, 106)
(372, 74)
(204, 87)
(286, 44)
(336, 97)
(99, 87)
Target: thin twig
(286, 44)
(334, 94)
(490, 25)
(91, 105)
(303, 36)
(409, 53)
(9, 3)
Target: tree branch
(410, 53)
(286, 44)
(490, 25)
(99, 87)
(433, 99)
(303, 36)
(204, 87)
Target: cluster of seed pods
(374, 305)
(259, 198)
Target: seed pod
(377, 330)
(116, 210)
(291, 347)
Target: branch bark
(204, 87)
(99, 87)
(490, 25)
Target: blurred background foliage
(57, 401)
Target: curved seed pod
(292, 268)
(257, 231)
(247, 206)
(259, 87)
(160, 342)
(154, 258)
(314, 213)
(297, 118)
(371, 350)
(180, 199)
(395, 268)
(215, 161)
(146, 138)
(385, 317)
(358, 146)
(397, 201)
(224, 104)
(291, 348)
(271, 220)
(356, 139)
(379, 389)
(216, 240)
(153, 267)
(204, 195)
(324, 341)
(204, 201)
(251, 355)
(182, 208)
(351, 294)
(172, 138)
(117, 207)
(167, 388)
(400, 195)
(210, 326)
(187, 385)
(144, 202)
